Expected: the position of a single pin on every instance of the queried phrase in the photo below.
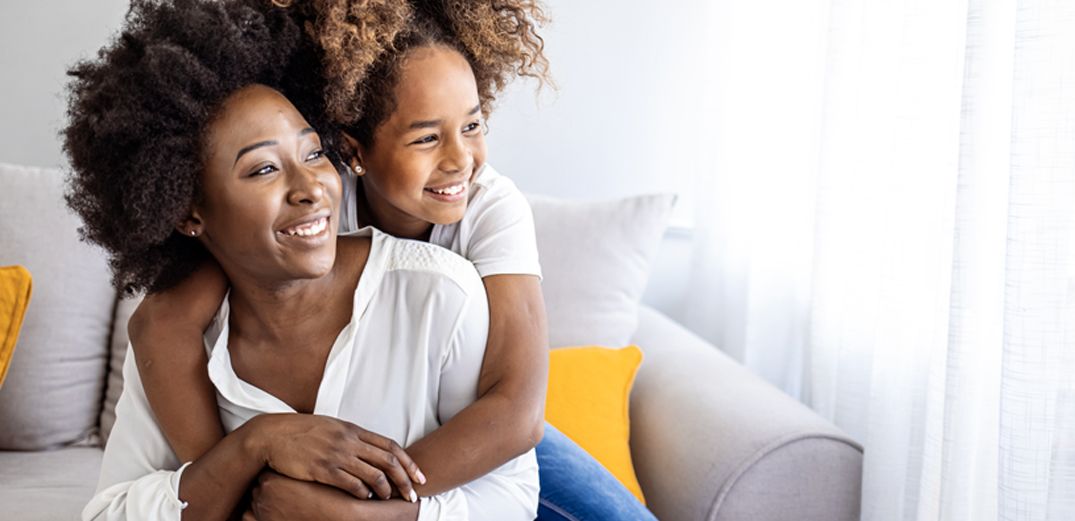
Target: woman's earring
(193, 233)
(358, 169)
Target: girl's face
(419, 168)
(271, 195)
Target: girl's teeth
(451, 190)
(307, 230)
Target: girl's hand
(334, 452)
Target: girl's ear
(191, 226)
(353, 154)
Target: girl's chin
(448, 216)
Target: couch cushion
(595, 258)
(15, 289)
(48, 485)
(589, 391)
(52, 395)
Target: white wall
(623, 121)
(39, 40)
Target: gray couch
(709, 439)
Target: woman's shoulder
(423, 257)
(418, 260)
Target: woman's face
(419, 168)
(271, 196)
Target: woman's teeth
(451, 190)
(308, 229)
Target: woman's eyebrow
(248, 148)
(430, 123)
(259, 144)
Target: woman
(182, 148)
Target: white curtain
(889, 235)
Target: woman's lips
(307, 229)
(311, 234)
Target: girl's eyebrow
(431, 123)
(259, 144)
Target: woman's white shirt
(496, 233)
(407, 362)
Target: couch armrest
(712, 441)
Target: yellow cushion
(14, 297)
(589, 394)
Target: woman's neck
(280, 312)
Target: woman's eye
(424, 140)
(315, 155)
(472, 127)
(265, 170)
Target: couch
(709, 440)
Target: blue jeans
(575, 487)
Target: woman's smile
(309, 231)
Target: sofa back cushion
(595, 259)
(52, 395)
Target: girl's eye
(265, 170)
(472, 127)
(315, 155)
(424, 140)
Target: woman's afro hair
(364, 43)
(138, 115)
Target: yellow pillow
(589, 394)
(14, 297)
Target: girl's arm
(166, 335)
(137, 483)
(508, 418)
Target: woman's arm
(508, 418)
(166, 335)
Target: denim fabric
(575, 487)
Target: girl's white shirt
(406, 363)
(496, 233)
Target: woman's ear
(353, 154)
(192, 226)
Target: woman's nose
(306, 188)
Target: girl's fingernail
(370, 496)
(414, 497)
(421, 478)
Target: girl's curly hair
(138, 115)
(364, 43)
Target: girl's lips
(448, 193)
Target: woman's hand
(279, 498)
(334, 452)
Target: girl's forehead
(436, 78)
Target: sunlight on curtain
(891, 238)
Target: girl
(317, 334)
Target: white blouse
(407, 362)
